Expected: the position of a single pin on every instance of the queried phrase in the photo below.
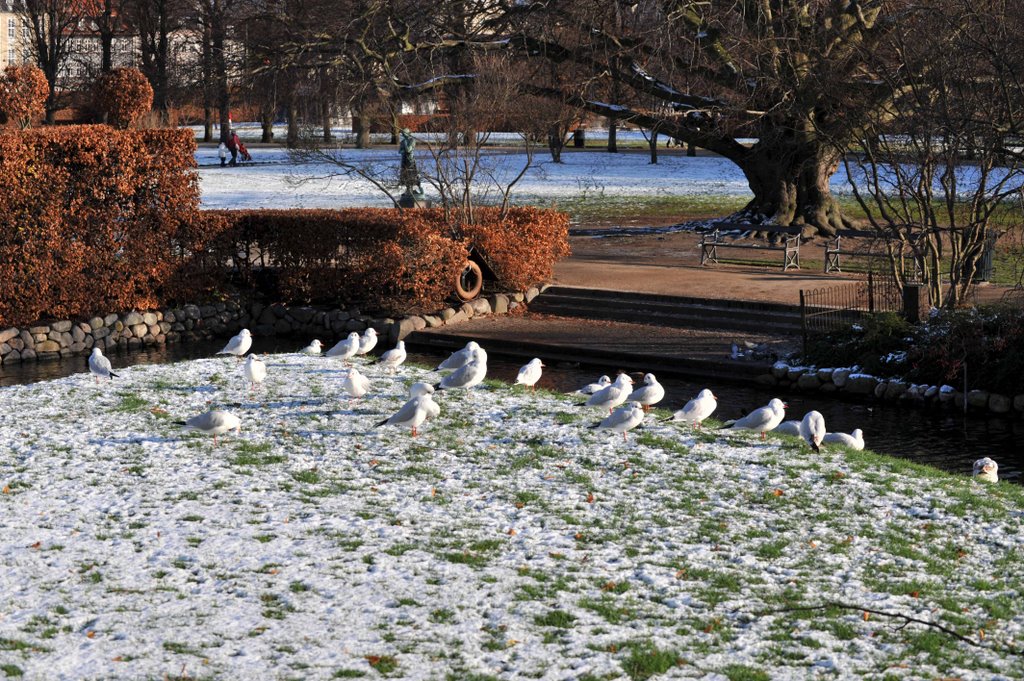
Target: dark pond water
(937, 437)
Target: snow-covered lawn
(507, 541)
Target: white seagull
(788, 428)
(355, 384)
(460, 358)
(626, 417)
(812, 429)
(99, 366)
(368, 341)
(987, 470)
(697, 409)
(413, 413)
(854, 440)
(762, 419)
(529, 374)
(215, 422)
(649, 394)
(346, 348)
(466, 376)
(254, 371)
(591, 388)
(238, 345)
(612, 395)
(394, 357)
(422, 389)
(313, 348)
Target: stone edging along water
(850, 382)
(53, 340)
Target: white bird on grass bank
(215, 422)
(788, 428)
(99, 366)
(649, 394)
(346, 348)
(697, 409)
(763, 419)
(368, 341)
(238, 345)
(812, 429)
(414, 412)
(530, 373)
(986, 470)
(461, 358)
(313, 348)
(466, 376)
(625, 418)
(854, 440)
(355, 384)
(591, 388)
(254, 370)
(612, 395)
(394, 357)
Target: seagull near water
(238, 345)
(854, 440)
(368, 341)
(649, 394)
(394, 357)
(986, 470)
(697, 409)
(468, 375)
(812, 429)
(99, 366)
(788, 428)
(591, 388)
(254, 371)
(625, 418)
(414, 412)
(612, 395)
(461, 358)
(313, 348)
(762, 419)
(355, 384)
(530, 373)
(346, 348)
(215, 422)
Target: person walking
(231, 141)
(222, 151)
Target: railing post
(871, 292)
(803, 321)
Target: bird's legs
(763, 436)
(414, 433)
(623, 436)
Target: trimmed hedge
(95, 220)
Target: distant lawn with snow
(506, 541)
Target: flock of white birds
(627, 405)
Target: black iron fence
(833, 308)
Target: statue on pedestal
(408, 174)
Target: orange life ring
(469, 282)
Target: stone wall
(53, 340)
(864, 386)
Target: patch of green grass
(383, 664)
(647, 660)
(181, 648)
(441, 616)
(348, 674)
(275, 607)
(297, 587)
(555, 618)
(565, 418)
(311, 476)
(739, 672)
(130, 403)
(11, 670)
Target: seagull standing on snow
(394, 357)
(591, 388)
(649, 394)
(613, 395)
(626, 417)
(763, 419)
(812, 429)
(346, 348)
(697, 409)
(987, 470)
(470, 374)
(238, 345)
(213, 423)
(254, 371)
(461, 358)
(414, 412)
(99, 366)
(355, 384)
(313, 348)
(854, 440)
(529, 374)
(368, 341)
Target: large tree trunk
(791, 186)
(361, 127)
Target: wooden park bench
(711, 241)
(865, 245)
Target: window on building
(25, 33)
(10, 55)
(10, 28)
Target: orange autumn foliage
(23, 92)
(124, 95)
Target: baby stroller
(246, 156)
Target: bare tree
(155, 21)
(53, 25)
(942, 168)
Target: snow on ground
(507, 541)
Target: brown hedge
(95, 220)
(124, 95)
(523, 247)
